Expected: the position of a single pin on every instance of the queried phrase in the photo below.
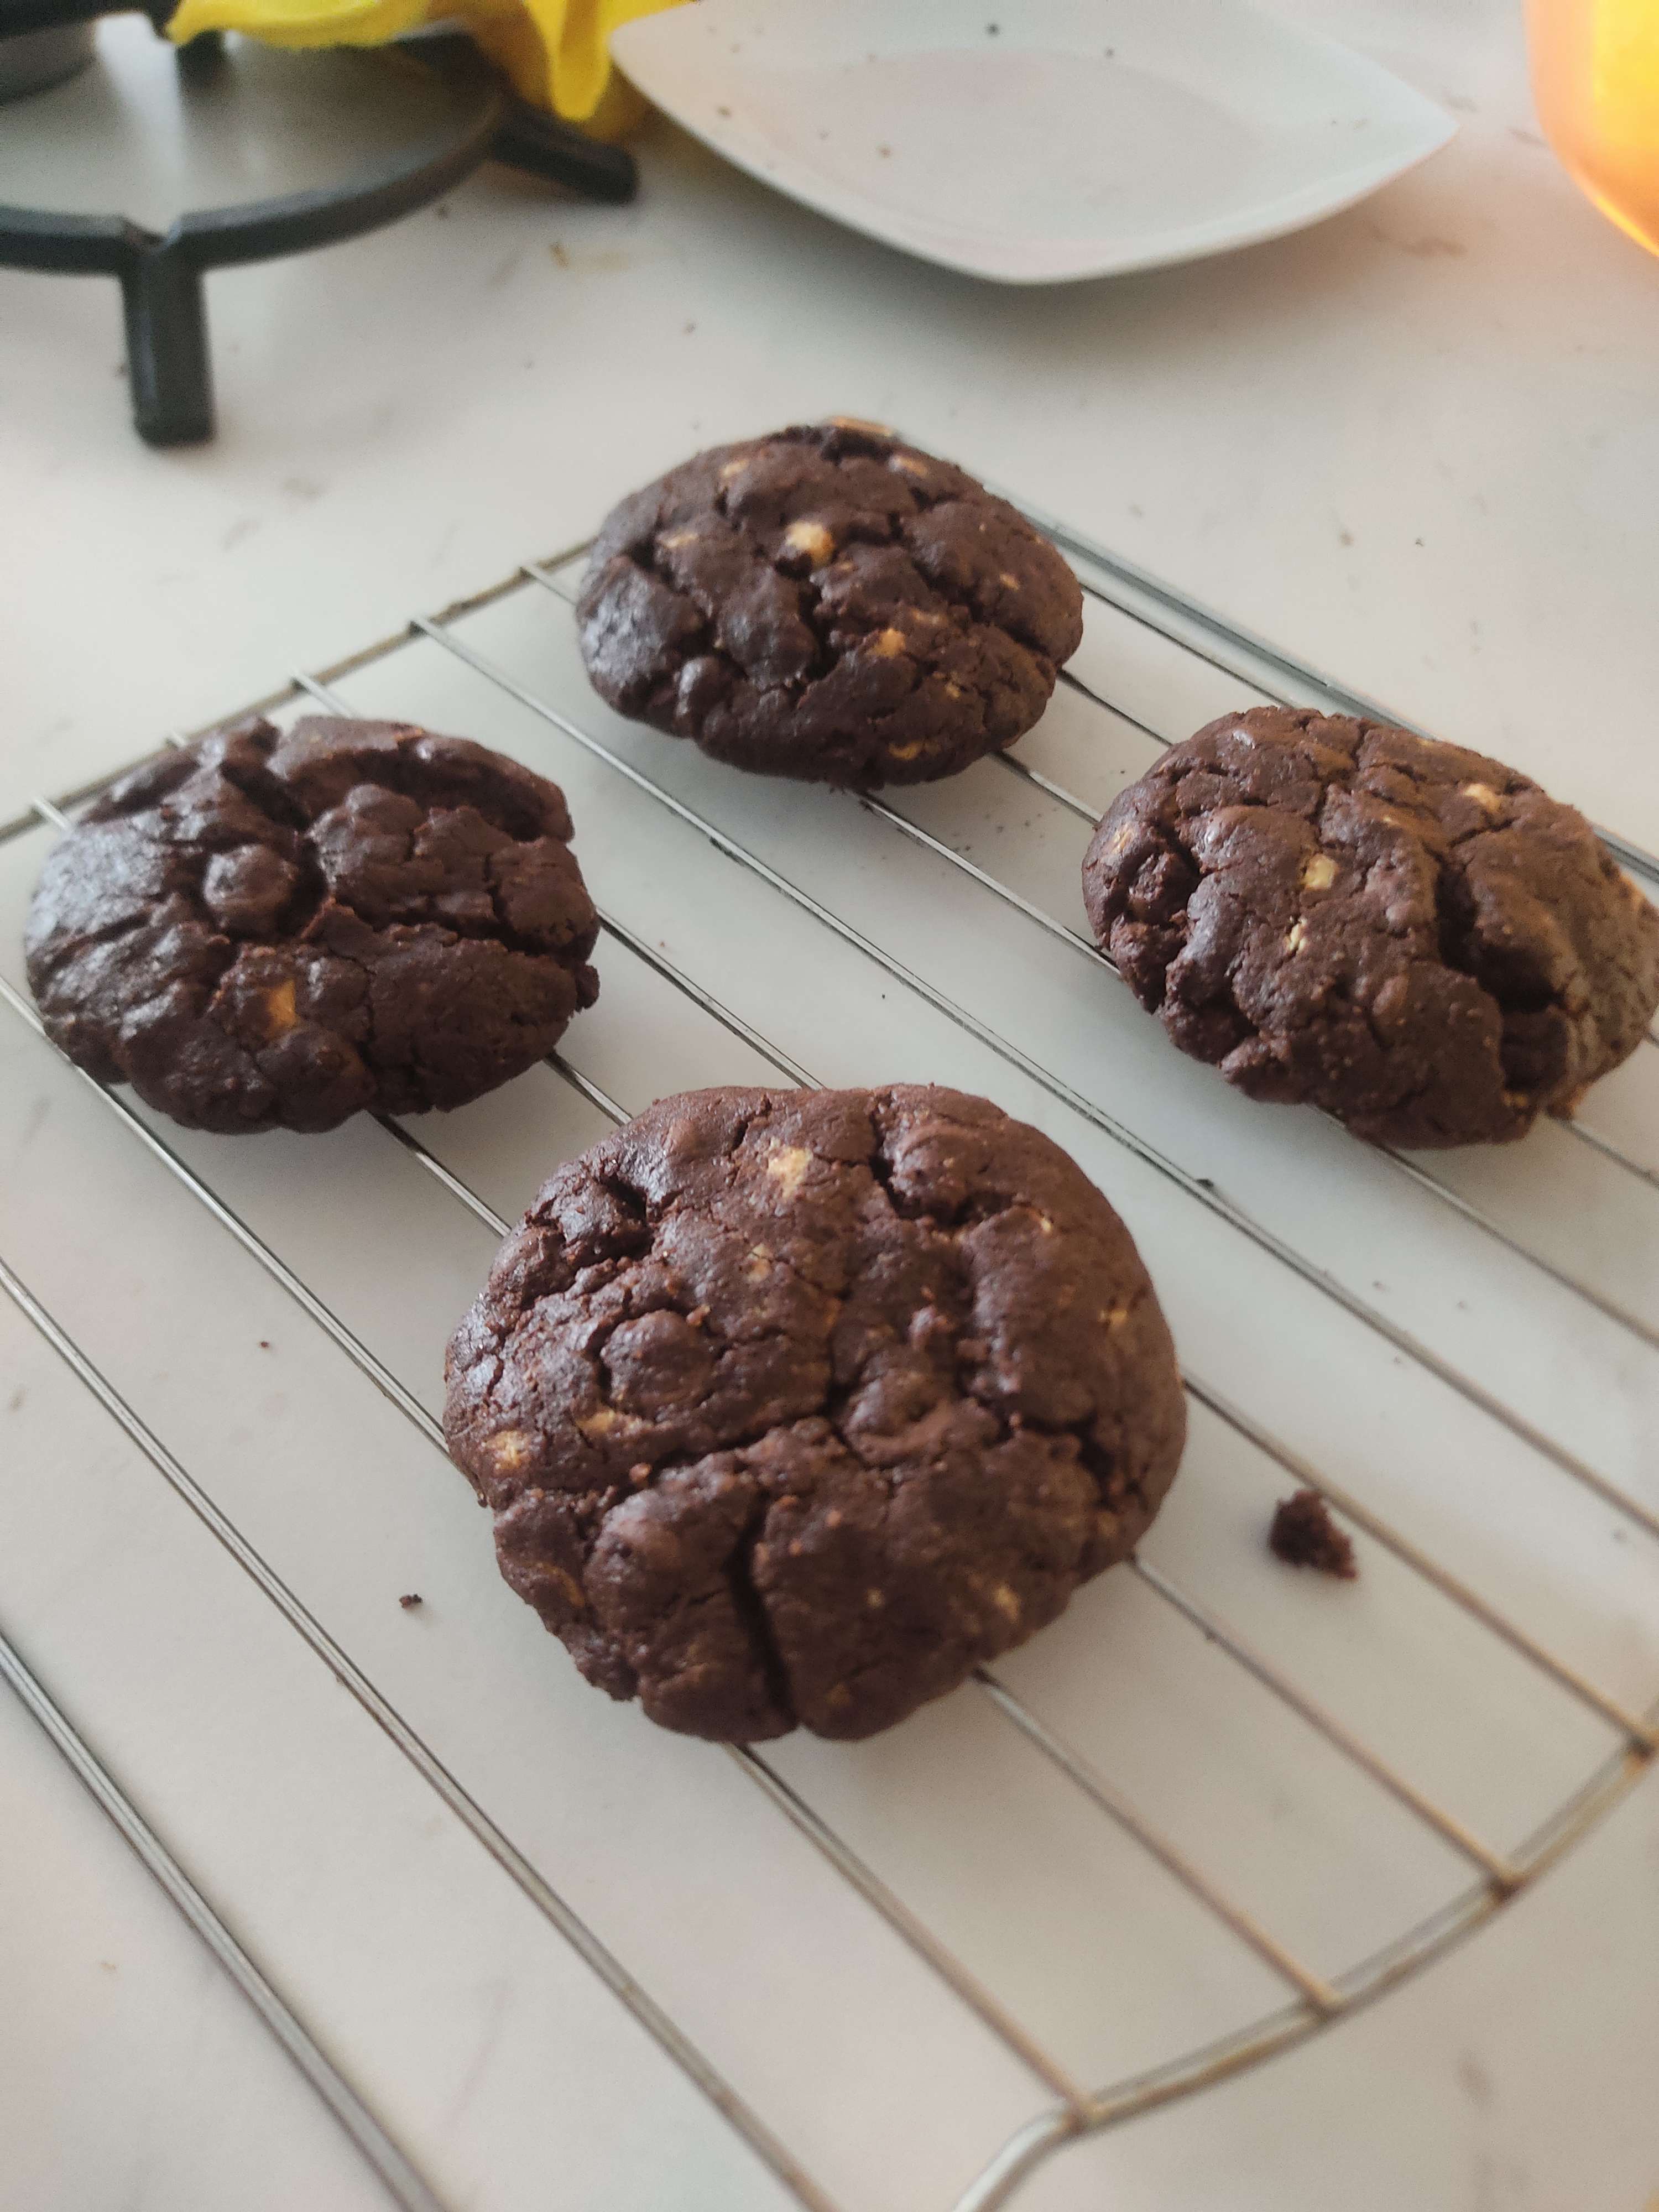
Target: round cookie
(262, 932)
(829, 605)
(1411, 936)
(792, 1407)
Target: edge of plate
(1438, 129)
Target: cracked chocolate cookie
(262, 932)
(793, 1406)
(829, 605)
(1415, 937)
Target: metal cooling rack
(1153, 664)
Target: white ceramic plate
(1036, 140)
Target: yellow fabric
(556, 51)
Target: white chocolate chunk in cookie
(811, 539)
(787, 1168)
(568, 1588)
(1488, 800)
(1318, 873)
(887, 642)
(281, 1014)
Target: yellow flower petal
(557, 53)
(301, 23)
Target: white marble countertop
(1416, 444)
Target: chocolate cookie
(1415, 937)
(831, 604)
(261, 932)
(793, 1406)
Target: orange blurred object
(1595, 78)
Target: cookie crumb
(410, 1599)
(1304, 1535)
(264, 1344)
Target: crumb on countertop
(410, 1598)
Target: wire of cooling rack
(1492, 1864)
(1077, 943)
(1317, 1999)
(1321, 1999)
(1640, 1733)
(882, 810)
(1198, 628)
(1317, 1991)
(343, 2100)
(1500, 1871)
(1194, 1187)
(1274, 1954)
(515, 1864)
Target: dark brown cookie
(261, 932)
(793, 1406)
(831, 604)
(1415, 937)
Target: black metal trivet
(161, 273)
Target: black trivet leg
(201, 59)
(167, 360)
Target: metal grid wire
(1312, 1998)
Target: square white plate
(1035, 140)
